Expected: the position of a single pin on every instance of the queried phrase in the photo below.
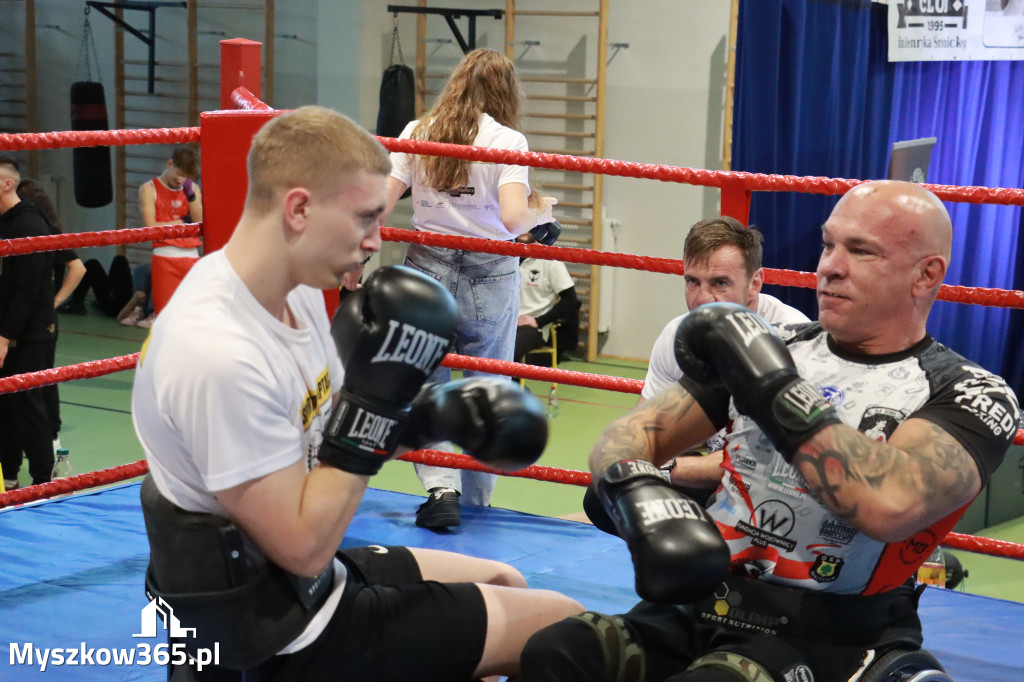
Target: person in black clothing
(113, 290)
(68, 271)
(28, 334)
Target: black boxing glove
(678, 554)
(595, 512)
(731, 344)
(547, 233)
(391, 334)
(491, 419)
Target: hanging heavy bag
(93, 182)
(93, 185)
(397, 93)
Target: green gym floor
(97, 429)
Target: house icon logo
(156, 611)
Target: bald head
(916, 217)
(886, 249)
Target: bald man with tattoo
(853, 446)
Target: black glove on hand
(728, 343)
(492, 419)
(391, 334)
(678, 554)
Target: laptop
(909, 159)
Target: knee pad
(587, 646)
(728, 666)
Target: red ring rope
(957, 294)
(79, 240)
(63, 486)
(690, 176)
(724, 179)
(97, 138)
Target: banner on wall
(955, 30)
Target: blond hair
(311, 147)
(484, 82)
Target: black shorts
(674, 636)
(392, 625)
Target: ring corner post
(239, 65)
(736, 202)
(226, 137)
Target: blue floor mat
(72, 574)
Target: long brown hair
(31, 191)
(484, 82)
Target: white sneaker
(146, 323)
(132, 318)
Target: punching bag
(397, 100)
(397, 92)
(93, 184)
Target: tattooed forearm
(924, 475)
(647, 432)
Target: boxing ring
(73, 567)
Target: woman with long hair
(478, 106)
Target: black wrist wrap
(361, 434)
(794, 415)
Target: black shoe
(72, 307)
(441, 509)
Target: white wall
(664, 105)
(664, 102)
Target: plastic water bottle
(553, 401)
(62, 465)
(933, 570)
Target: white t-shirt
(542, 281)
(475, 212)
(225, 393)
(663, 370)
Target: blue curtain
(813, 89)
(816, 95)
(976, 110)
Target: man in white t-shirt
(547, 295)
(261, 438)
(722, 261)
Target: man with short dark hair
(722, 261)
(28, 334)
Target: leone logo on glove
(666, 509)
(749, 325)
(411, 346)
(366, 431)
(803, 401)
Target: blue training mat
(72, 578)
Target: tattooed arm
(655, 431)
(889, 490)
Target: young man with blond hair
(262, 437)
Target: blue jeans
(142, 280)
(486, 291)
